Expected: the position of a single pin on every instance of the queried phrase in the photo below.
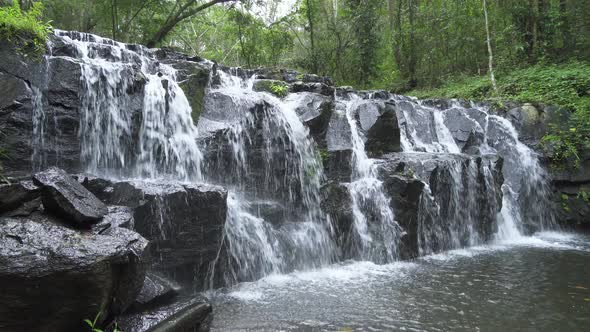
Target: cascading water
(526, 195)
(472, 130)
(377, 231)
(135, 119)
(267, 159)
(135, 122)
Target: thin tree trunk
(565, 28)
(314, 64)
(491, 55)
(114, 18)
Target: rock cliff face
(570, 183)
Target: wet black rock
(467, 128)
(319, 88)
(459, 206)
(315, 111)
(64, 196)
(378, 120)
(14, 195)
(156, 290)
(16, 112)
(53, 277)
(405, 193)
(184, 223)
(337, 203)
(339, 146)
(186, 315)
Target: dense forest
(394, 44)
(537, 49)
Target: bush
(24, 28)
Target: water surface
(539, 283)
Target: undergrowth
(24, 29)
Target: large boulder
(378, 120)
(319, 88)
(467, 128)
(315, 111)
(53, 277)
(405, 193)
(64, 196)
(184, 223)
(15, 195)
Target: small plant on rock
(94, 326)
(279, 90)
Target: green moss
(24, 28)
(324, 155)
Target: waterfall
(477, 181)
(265, 156)
(135, 119)
(374, 223)
(472, 130)
(39, 157)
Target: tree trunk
(565, 28)
(179, 15)
(314, 63)
(114, 18)
(412, 55)
(491, 55)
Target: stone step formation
(177, 175)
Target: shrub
(24, 28)
(279, 90)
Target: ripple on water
(539, 282)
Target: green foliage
(584, 196)
(323, 155)
(566, 85)
(279, 90)
(24, 28)
(564, 203)
(93, 324)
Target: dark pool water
(539, 283)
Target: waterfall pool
(538, 283)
